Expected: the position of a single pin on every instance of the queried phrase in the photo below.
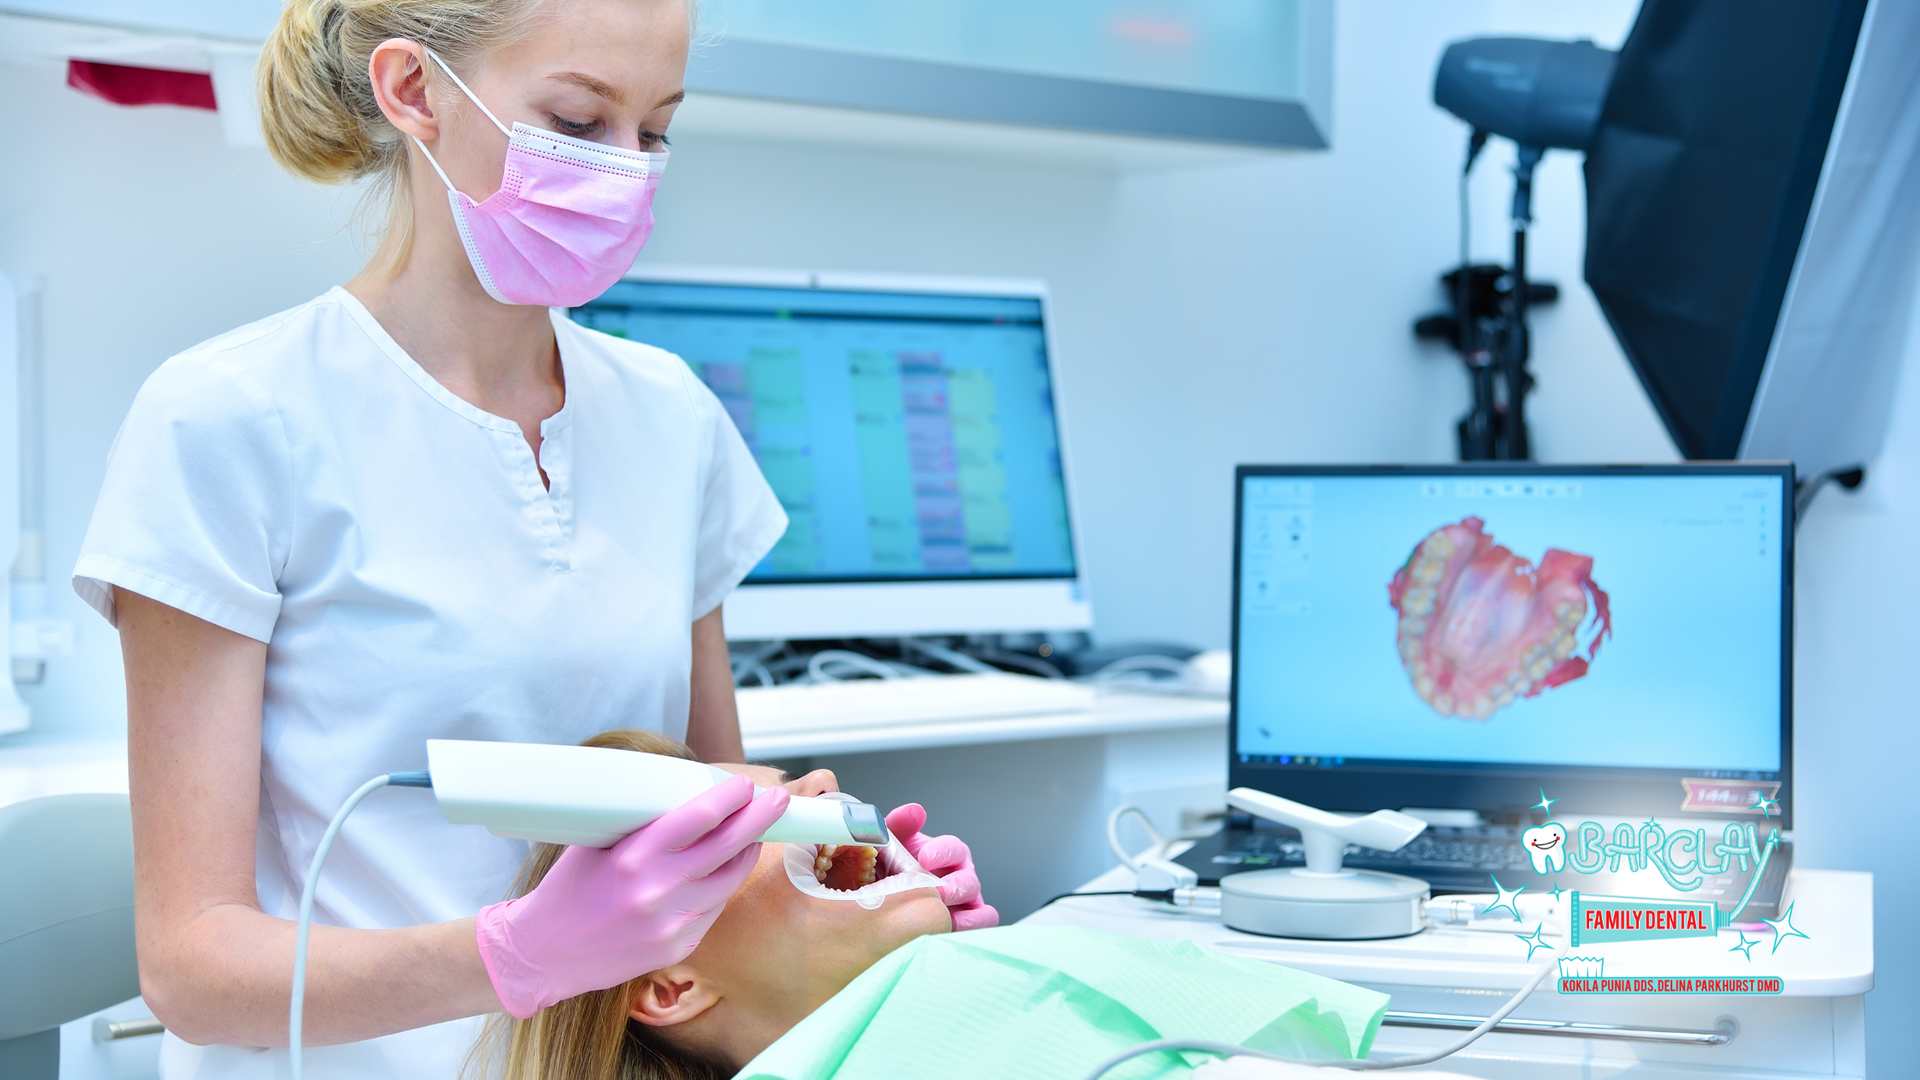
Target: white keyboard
(868, 703)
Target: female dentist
(424, 506)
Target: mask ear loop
(457, 81)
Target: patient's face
(776, 943)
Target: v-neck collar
(438, 392)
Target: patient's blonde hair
(589, 1037)
(317, 106)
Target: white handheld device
(1325, 835)
(591, 796)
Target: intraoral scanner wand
(591, 796)
(583, 796)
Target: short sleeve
(193, 511)
(740, 517)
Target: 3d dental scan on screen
(1395, 646)
(1085, 540)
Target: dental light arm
(594, 796)
(1325, 835)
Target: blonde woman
(793, 986)
(421, 505)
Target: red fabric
(125, 85)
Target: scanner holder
(1322, 900)
(1325, 835)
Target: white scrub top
(303, 482)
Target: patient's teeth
(1562, 645)
(1443, 704)
(1409, 648)
(1423, 685)
(1539, 668)
(1576, 610)
(1546, 847)
(1418, 601)
(1439, 545)
(1482, 708)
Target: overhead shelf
(1142, 85)
(740, 67)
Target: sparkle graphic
(1745, 948)
(1783, 928)
(1505, 899)
(1535, 940)
(1557, 890)
(1764, 805)
(1652, 822)
(1545, 804)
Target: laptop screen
(1589, 621)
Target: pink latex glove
(602, 916)
(950, 860)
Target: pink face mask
(568, 220)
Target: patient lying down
(790, 985)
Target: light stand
(1514, 444)
(1541, 95)
(1488, 324)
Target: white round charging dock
(1322, 900)
(1346, 905)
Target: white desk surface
(1114, 712)
(1834, 908)
(31, 772)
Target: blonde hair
(321, 119)
(589, 1037)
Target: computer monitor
(908, 427)
(1469, 637)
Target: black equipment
(1704, 140)
(1542, 95)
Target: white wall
(1856, 727)
(153, 235)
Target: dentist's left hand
(949, 859)
(604, 915)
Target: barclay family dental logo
(1588, 975)
(1684, 859)
(1546, 846)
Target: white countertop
(32, 772)
(1115, 712)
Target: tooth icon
(1547, 847)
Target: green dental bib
(1054, 1002)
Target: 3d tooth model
(1480, 628)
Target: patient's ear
(673, 995)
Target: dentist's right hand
(604, 915)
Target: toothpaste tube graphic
(1546, 847)
(1581, 967)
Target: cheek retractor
(890, 869)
